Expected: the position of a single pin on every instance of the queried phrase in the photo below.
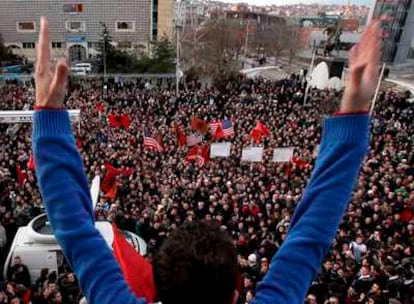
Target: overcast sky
(281, 2)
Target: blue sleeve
(319, 213)
(65, 192)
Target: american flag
(151, 142)
(228, 128)
(194, 139)
(214, 126)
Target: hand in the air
(50, 86)
(364, 62)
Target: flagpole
(374, 100)
(246, 42)
(310, 76)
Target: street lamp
(178, 73)
(105, 36)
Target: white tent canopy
(320, 76)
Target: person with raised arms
(198, 262)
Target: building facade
(164, 11)
(398, 28)
(76, 27)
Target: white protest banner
(283, 155)
(253, 154)
(220, 149)
(27, 116)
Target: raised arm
(318, 215)
(64, 187)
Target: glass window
(75, 26)
(29, 26)
(125, 26)
(58, 45)
(73, 8)
(29, 45)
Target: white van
(84, 65)
(36, 245)
(77, 71)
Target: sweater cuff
(350, 128)
(350, 113)
(51, 122)
(49, 108)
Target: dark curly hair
(196, 264)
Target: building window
(24, 26)
(29, 45)
(75, 26)
(125, 26)
(58, 45)
(73, 8)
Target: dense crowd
(371, 259)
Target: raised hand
(50, 86)
(364, 62)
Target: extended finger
(374, 52)
(59, 83)
(353, 53)
(43, 48)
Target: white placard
(283, 155)
(253, 154)
(220, 149)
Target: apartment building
(76, 24)
(398, 28)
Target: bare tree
(213, 47)
(276, 39)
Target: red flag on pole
(125, 121)
(181, 136)
(30, 163)
(299, 162)
(100, 107)
(256, 136)
(199, 155)
(262, 128)
(21, 176)
(219, 132)
(136, 270)
(114, 120)
(200, 125)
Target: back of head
(196, 264)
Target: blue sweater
(65, 191)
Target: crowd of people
(371, 259)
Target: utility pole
(246, 42)
(104, 55)
(177, 64)
(374, 99)
(177, 42)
